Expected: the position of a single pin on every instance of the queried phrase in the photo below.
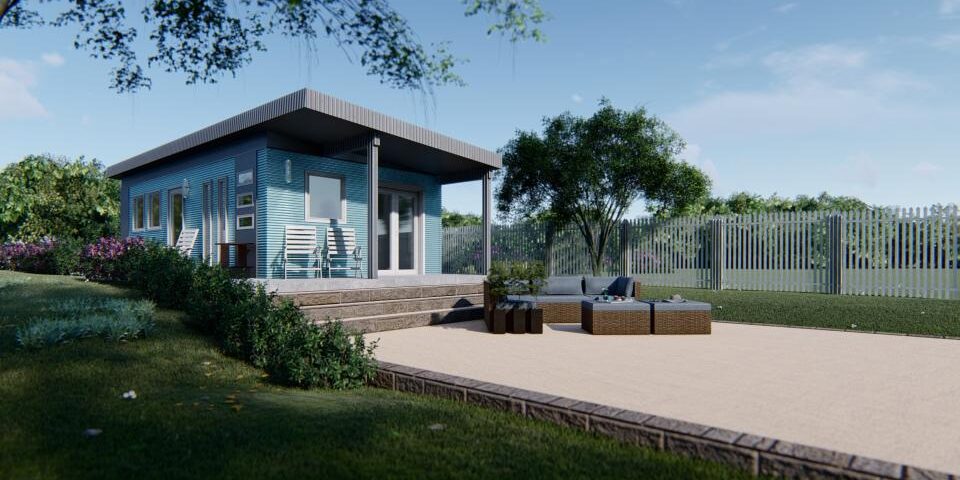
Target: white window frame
(253, 222)
(252, 200)
(241, 184)
(148, 207)
(143, 213)
(306, 197)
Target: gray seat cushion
(680, 306)
(548, 298)
(564, 286)
(614, 285)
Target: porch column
(487, 221)
(373, 182)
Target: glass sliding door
(398, 220)
(383, 232)
(406, 231)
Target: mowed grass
(199, 414)
(849, 312)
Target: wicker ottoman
(626, 318)
(683, 318)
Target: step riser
(413, 320)
(391, 307)
(374, 295)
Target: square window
(244, 222)
(244, 199)
(245, 178)
(138, 213)
(155, 210)
(325, 198)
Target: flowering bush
(103, 259)
(35, 257)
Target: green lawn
(871, 314)
(200, 414)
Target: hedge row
(248, 322)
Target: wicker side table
(623, 318)
(684, 318)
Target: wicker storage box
(684, 318)
(627, 318)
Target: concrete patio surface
(889, 397)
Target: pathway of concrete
(889, 397)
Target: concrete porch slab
(304, 285)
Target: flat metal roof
(318, 119)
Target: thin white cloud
(576, 98)
(946, 41)
(927, 169)
(815, 59)
(786, 7)
(53, 59)
(724, 45)
(16, 99)
(861, 170)
(816, 88)
(949, 7)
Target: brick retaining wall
(757, 455)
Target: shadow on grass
(199, 414)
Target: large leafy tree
(589, 171)
(205, 39)
(44, 196)
(450, 218)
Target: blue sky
(789, 97)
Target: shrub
(65, 256)
(296, 352)
(104, 260)
(517, 278)
(159, 272)
(111, 319)
(227, 308)
(35, 257)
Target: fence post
(835, 234)
(717, 253)
(625, 248)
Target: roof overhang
(316, 119)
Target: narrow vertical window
(138, 213)
(155, 210)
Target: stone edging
(755, 454)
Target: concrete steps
(378, 309)
(380, 323)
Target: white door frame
(393, 193)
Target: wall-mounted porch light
(288, 171)
(186, 188)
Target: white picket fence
(904, 252)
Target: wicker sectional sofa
(561, 296)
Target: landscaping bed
(914, 316)
(198, 413)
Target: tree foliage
(206, 39)
(589, 171)
(744, 203)
(45, 196)
(456, 219)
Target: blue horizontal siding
(196, 175)
(282, 204)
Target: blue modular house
(305, 160)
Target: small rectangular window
(244, 199)
(155, 210)
(244, 222)
(138, 213)
(325, 198)
(245, 178)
